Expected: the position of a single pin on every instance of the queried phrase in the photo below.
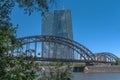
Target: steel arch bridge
(52, 48)
(105, 56)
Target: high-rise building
(57, 23)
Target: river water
(96, 76)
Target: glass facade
(57, 23)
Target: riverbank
(102, 69)
(96, 69)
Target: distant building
(101, 58)
(57, 23)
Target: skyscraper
(58, 23)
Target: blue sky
(96, 23)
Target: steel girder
(84, 53)
(105, 56)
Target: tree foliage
(13, 68)
(56, 71)
(29, 6)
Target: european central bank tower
(57, 23)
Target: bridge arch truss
(106, 57)
(54, 48)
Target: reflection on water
(96, 76)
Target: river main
(96, 76)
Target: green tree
(56, 71)
(13, 68)
(29, 6)
(6, 40)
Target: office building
(57, 23)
